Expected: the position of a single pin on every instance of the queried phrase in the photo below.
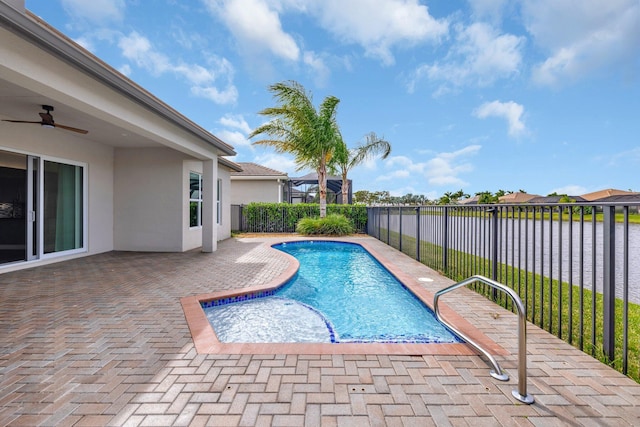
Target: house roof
(554, 199)
(635, 197)
(255, 170)
(598, 195)
(517, 198)
(234, 167)
(469, 200)
(21, 95)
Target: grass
(570, 312)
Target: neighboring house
(469, 200)
(516, 198)
(621, 199)
(554, 199)
(599, 195)
(144, 177)
(255, 183)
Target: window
(195, 199)
(219, 203)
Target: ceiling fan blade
(82, 131)
(19, 121)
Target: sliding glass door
(42, 207)
(13, 194)
(62, 213)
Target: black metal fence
(575, 266)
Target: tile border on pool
(206, 341)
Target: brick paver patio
(103, 340)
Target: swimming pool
(340, 294)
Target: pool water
(339, 294)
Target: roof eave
(229, 164)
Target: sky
(481, 95)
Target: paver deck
(103, 340)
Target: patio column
(209, 211)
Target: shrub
(332, 225)
(283, 217)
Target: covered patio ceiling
(21, 103)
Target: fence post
(609, 280)
(494, 248)
(445, 240)
(417, 233)
(388, 224)
(400, 228)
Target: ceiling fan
(47, 121)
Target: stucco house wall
(224, 227)
(257, 183)
(248, 191)
(135, 159)
(149, 200)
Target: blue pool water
(340, 294)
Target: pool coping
(206, 340)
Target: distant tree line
(373, 198)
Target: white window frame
(219, 202)
(85, 207)
(198, 201)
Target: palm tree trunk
(322, 189)
(345, 189)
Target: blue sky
(534, 95)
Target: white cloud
(138, 49)
(256, 26)
(235, 132)
(510, 111)
(445, 167)
(95, 11)
(479, 56)
(571, 190)
(491, 10)
(380, 25)
(279, 162)
(398, 174)
(318, 66)
(234, 138)
(583, 37)
(125, 69)
(441, 170)
(235, 121)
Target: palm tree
(346, 159)
(297, 128)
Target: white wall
(247, 191)
(149, 200)
(224, 229)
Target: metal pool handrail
(521, 393)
